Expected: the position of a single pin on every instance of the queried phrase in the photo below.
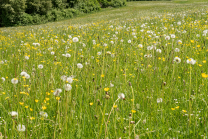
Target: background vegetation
(24, 12)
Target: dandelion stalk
(106, 130)
(190, 97)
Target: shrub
(25, 19)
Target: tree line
(25, 12)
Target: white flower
(177, 60)
(149, 47)
(43, 114)
(111, 85)
(21, 128)
(167, 37)
(191, 61)
(67, 87)
(40, 66)
(105, 44)
(111, 42)
(26, 57)
(99, 53)
(14, 80)
(69, 36)
(13, 113)
(179, 42)
(159, 50)
(79, 65)
(179, 23)
(3, 79)
(64, 77)
(75, 39)
(27, 76)
(69, 79)
(140, 46)
(67, 55)
(197, 35)
(23, 73)
(57, 92)
(159, 100)
(129, 41)
(122, 40)
(108, 52)
(172, 36)
(36, 44)
(177, 50)
(52, 53)
(121, 96)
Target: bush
(25, 19)
(87, 6)
(118, 3)
(57, 15)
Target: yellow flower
(32, 118)
(177, 107)
(36, 100)
(133, 111)
(26, 107)
(57, 98)
(31, 109)
(114, 106)
(204, 75)
(6, 98)
(21, 103)
(106, 89)
(102, 75)
(3, 93)
(184, 111)
(192, 41)
(200, 65)
(43, 107)
(173, 109)
(47, 99)
(91, 104)
(204, 61)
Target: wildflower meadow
(138, 76)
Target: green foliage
(112, 3)
(23, 12)
(118, 3)
(87, 6)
